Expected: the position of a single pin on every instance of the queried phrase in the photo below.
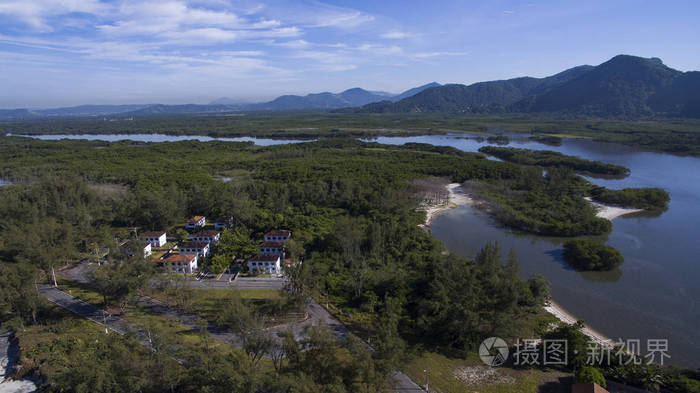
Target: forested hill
(624, 86)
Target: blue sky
(70, 52)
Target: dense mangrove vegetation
(638, 198)
(679, 136)
(352, 208)
(552, 204)
(548, 158)
(590, 255)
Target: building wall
(275, 238)
(267, 267)
(202, 252)
(182, 267)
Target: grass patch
(81, 291)
(36, 341)
(445, 373)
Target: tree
(539, 287)
(591, 255)
(236, 243)
(590, 375)
(119, 282)
(577, 343)
(257, 342)
(19, 298)
(219, 263)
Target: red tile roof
(587, 388)
(195, 219)
(279, 232)
(180, 258)
(153, 234)
(265, 258)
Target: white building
(147, 251)
(200, 248)
(136, 249)
(205, 236)
(157, 239)
(181, 263)
(265, 264)
(223, 223)
(271, 248)
(196, 222)
(279, 235)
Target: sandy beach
(555, 309)
(610, 212)
(7, 360)
(456, 198)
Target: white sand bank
(610, 212)
(564, 316)
(456, 198)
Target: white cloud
(395, 35)
(34, 13)
(343, 20)
(425, 55)
(295, 44)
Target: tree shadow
(558, 255)
(561, 385)
(593, 276)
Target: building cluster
(199, 245)
(270, 253)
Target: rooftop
(179, 258)
(153, 234)
(195, 219)
(265, 258)
(279, 232)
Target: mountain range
(624, 86)
(348, 98)
(321, 101)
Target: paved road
(190, 321)
(317, 315)
(237, 284)
(83, 309)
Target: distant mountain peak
(624, 86)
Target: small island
(548, 158)
(636, 198)
(549, 140)
(589, 255)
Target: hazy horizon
(66, 53)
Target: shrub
(590, 375)
(591, 255)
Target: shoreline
(610, 212)
(561, 314)
(456, 198)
